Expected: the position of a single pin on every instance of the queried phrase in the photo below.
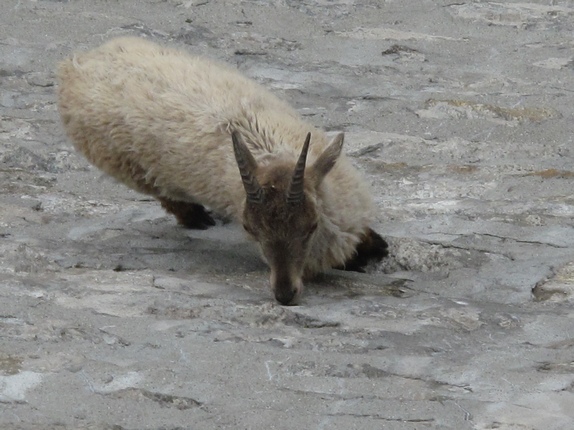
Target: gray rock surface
(460, 113)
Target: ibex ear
(327, 159)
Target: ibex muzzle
(281, 211)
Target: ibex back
(193, 132)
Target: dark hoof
(372, 248)
(189, 215)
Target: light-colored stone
(460, 114)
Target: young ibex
(193, 132)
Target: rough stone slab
(460, 115)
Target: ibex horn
(247, 166)
(296, 188)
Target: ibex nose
(287, 297)
(287, 289)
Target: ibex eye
(312, 229)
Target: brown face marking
(283, 231)
(280, 210)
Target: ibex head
(281, 212)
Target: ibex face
(281, 212)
